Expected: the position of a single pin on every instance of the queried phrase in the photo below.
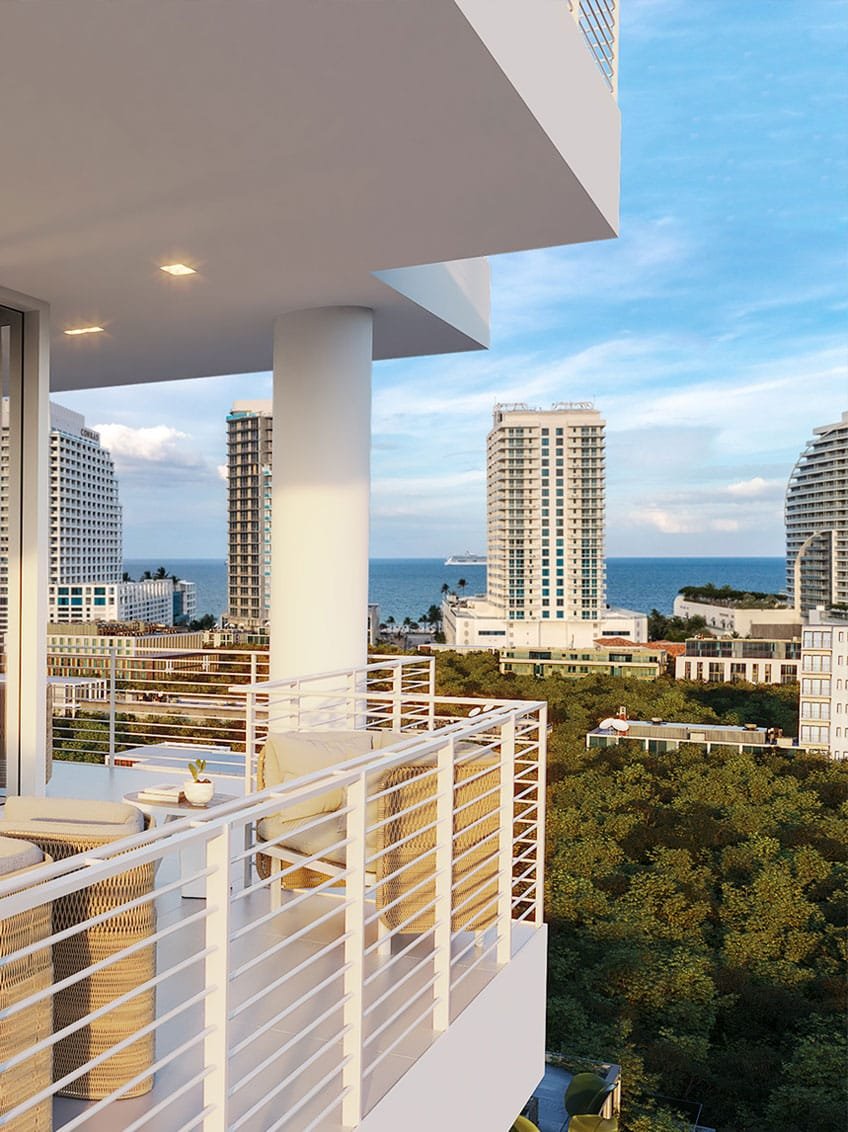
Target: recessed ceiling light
(85, 330)
(178, 269)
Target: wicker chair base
(298, 878)
(99, 989)
(475, 847)
(18, 980)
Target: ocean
(407, 587)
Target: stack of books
(164, 793)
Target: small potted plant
(198, 789)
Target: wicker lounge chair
(18, 980)
(63, 827)
(405, 858)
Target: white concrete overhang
(298, 153)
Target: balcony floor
(303, 1059)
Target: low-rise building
(476, 622)
(824, 683)
(639, 662)
(151, 600)
(185, 601)
(779, 623)
(727, 660)
(659, 736)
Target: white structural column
(29, 548)
(321, 490)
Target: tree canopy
(696, 904)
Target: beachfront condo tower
(545, 512)
(85, 568)
(817, 521)
(249, 433)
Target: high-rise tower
(249, 436)
(85, 513)
(816, 514)
(546, 583)
(545, 477)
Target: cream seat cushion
(16, 854)
(43, 816)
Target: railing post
(113, 669)
(506, 833)
(250, 782)
(397, 697)
(444, 885)
(354, 954)
(431, 691)
(216, 1085)
(541, 805)
(616, 32)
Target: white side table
(192, 858)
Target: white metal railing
(159, 709)
(301, 1012)
(598, 20)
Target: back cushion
(290, 754)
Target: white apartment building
(150, 600)
(85, 512)
(824, 684)
(249, 451)
(86, 534)
(816, 514)
(772, 624)
(546, 576)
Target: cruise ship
(467, 559)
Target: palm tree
(445, 589)
(461, 584)
(125, 577)
(161, 572)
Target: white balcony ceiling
(289, 150)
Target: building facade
(546, 573)
(86, 535)
(747, 621)
(816, 514)
(824, 684)
(249, 448)
(641, 663)
(726, 661)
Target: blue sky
(713, 334)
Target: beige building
(249, 442)
(824, 684)
(728, 661)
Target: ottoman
(62, 827)
(20, 978)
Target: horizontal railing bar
(246, 1005)
(293, 1041)
(381, 1029)
(395, 987)
(100, 965)
(280, 1086)
(93, 1062)
(272, 915)
(284, 1013)
(173, 1096)
(295, 1109)
(92, 1016)
(396, 957)
(317, 1122)
(116, 1094)
(415, 1022)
